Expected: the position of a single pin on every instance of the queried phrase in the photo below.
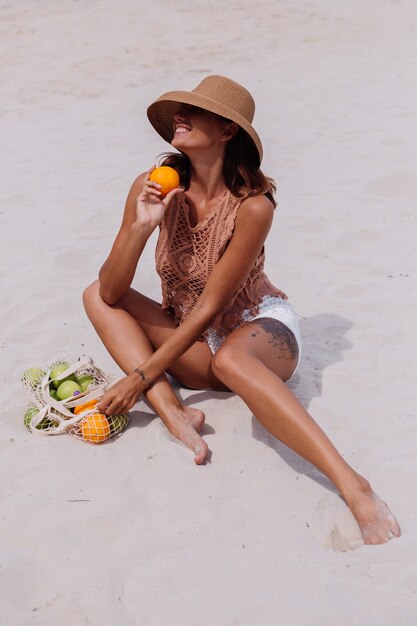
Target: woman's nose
(180, 115)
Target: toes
(396, 530)
(395, 527)
(200, 454)
(200, 451)
(379, 537)
(382, 525)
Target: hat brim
(161, 115)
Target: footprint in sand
(357, 241)
(334, 527)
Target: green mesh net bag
(62, 399)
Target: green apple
(53, 394)
(33, 376)
(84, 381)
(67, 389)
(117, 422)
(57, 370)
(30, 413)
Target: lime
(30, 413)
(118, 422)
(67, 389)
(33, 376)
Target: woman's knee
(90, 295)
(225, 362)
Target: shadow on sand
(324, 342)
(142, 419)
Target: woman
(222, 324)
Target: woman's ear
(230, 130)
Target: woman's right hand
(151, 205)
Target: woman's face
(197, 128)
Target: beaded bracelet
(144, 378)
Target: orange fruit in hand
(95, 428)
(165, 176)
(85, 407)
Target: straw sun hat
(217, 94)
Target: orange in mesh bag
(95, 428)
(74, 414)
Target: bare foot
(184, 423)
(375, 520)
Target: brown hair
(241, 171)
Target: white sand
(256, 537)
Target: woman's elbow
(109, 297)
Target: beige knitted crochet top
(185, 256)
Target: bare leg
(129, 345)
(254, 363)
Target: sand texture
(132, 533)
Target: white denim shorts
(273, 307)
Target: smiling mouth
(180, 129)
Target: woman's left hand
(122, 395)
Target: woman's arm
(251, 229)
(143, 212)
